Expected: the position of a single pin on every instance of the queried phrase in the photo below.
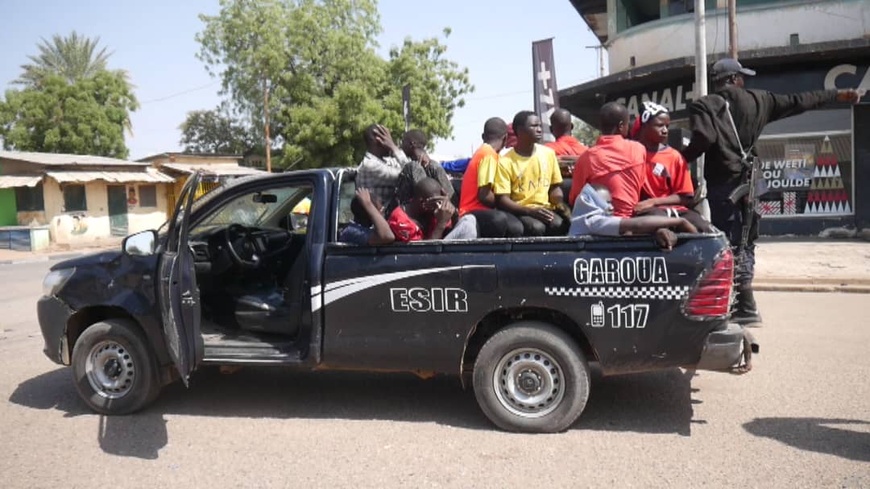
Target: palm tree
(73, 57)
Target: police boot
(746, 311)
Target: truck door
(177, 289)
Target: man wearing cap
(714, 136)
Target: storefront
(815, 164)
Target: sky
(153, 40)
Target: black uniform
(713, 135)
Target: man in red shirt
(668, 190)
(565, 144)
(427, 215)
(614, 162)
(477, 197)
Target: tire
(531, 377)
(114, 369)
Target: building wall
(93, 224)
(759, 26)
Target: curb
(805, 287)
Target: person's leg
(490, 223)
(465, 228)
(532, 226)
(514, 228)
(558, 226)
(697, 220)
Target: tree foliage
(212, 131)
(585, 133)
(87, 116)
(326, 81)
(72, 58)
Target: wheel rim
(529, 383)
(110, 369)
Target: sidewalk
(800, 265)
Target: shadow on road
(649, 403)
(817, 435)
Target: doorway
(118, 210)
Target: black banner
(544, 71)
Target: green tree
(585, 133)
(72, 58)
(211, 131)
(318, 61)
(88, 116)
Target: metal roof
(110, 176)
(58, 159)
(10, 181)
(220, 169)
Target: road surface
(800, 419)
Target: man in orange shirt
(565, 144)
(668, 190)
(476, 196)
(614, 162)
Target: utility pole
(703, 207)
(266, 122)
(732, 29)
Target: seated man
(429, 214)
(566, 146)
(419, 167)
(379, 170)
(614, 162)
(368, 226)
(527, 181)
(477, 197)
(668, 189)
(593, 216)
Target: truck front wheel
(531, 377)
(113, 368)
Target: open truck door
(177, 289)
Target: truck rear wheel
(531, 377)
(113, 368)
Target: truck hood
(91, 259)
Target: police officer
(713, 135)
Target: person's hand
(686, 227)
(444, 209)
(644, 206)
(383, 137)
(421, 156)
(364, 196)
(544, 215)
(850, 95)
(666, 238)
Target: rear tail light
(711, 298)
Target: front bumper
(723, 349)
(53, 316)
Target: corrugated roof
(10, 181)
(52, 159)
(110, 176)
(221, 169)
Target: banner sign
(543, 68)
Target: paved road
(801, 419)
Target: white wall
(763, 26)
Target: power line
(178, 94)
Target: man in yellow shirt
(527, 182)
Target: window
(74, 198)
(29, 199)
(148, 195)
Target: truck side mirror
(140, 244)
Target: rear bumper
(723, 349)
(53, 315)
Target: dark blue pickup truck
(238, 279)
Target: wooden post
(266, 119)
(732, 29)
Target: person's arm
(649, 204)
(703, 132)
(650, 224)
(383, 137)
(579, 178)
(382, 234)
(486, 170)
(486, 196)
(779, 106)
(443, 216)
(556, 196)
(380, 172)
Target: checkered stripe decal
(663, 292)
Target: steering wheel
(243, 249)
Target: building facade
(817, 165)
